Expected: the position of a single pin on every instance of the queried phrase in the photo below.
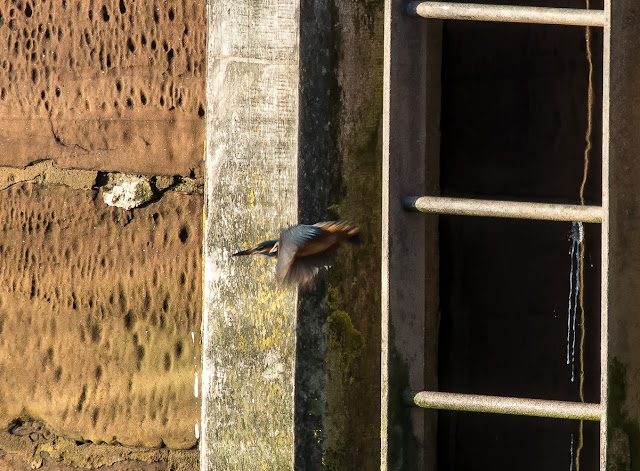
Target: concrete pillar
(266, 169)
(411, 166)
(622, 360)
(294, 106)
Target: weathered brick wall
(114, 85)
(100, 307)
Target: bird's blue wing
(291, 241)
(303, 270)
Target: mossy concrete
(345, 338)
(623, 434)
(622, 193)
(353, 388)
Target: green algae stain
(332, 460)
(619, 419)
(343, 336)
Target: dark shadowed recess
(514, 118)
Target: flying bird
(304, 249)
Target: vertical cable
(587, 152)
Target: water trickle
(571, 453)
(576, 236)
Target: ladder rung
(503, 209)
(503, 405)
(507, 13)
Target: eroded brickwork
(111, 85)
(100, 315)
(100, 308)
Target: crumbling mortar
(45, 172)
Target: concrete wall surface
(291, 379)
(623, 356)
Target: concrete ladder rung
(504, 405)
(507, 13)
(503, 209)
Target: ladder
(407, 330)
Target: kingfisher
(304, 249)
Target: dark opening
(514, 118)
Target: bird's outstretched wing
(304, 269)
(347, 230)
(336, 226)
(290, 270)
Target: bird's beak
(245, 252)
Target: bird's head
(268, 248)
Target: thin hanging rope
(587, 152)
(587, 149)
